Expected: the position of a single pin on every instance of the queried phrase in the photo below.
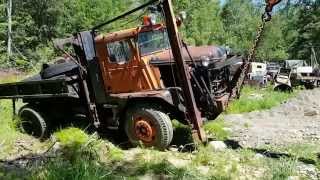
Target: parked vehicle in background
(299, 73)
(272, 70)
(258, 73)
(282, 80)
(302, 73)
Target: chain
(244, 69)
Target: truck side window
(119, 52)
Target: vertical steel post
(183, 72)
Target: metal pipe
(125, 14)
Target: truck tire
(309, 86)
(32, 122)
(149, 126)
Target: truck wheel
(32, 122)
(309, 86)
(151, 127)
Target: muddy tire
(32, 122)
(148, 126)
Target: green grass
(81, 158)
(8, 127)
(8, 131)
(93, 158)
(255, 99)
(11, 78)
(217, 129)
(86, 156)
(71, 137)
(281, 169)
(304, 152)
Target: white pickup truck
(300, 74)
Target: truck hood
(214, 53)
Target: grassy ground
(81, 156)
(255, 99)
(84, 156)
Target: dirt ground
(295, 121)
(9, 72)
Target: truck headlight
(205, 61)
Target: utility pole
(9, 12)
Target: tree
(240, 21)
(36, 22)
(203, 25)
(308, 27)
(273, 46)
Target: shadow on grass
(271, 154)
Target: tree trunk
(9, 11)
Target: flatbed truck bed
(37, 89)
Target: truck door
(123, 70)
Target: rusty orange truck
(135, 80)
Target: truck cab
(137, 61)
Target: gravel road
(295, 121)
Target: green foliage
(7, 129)
(76, 143)
(71, 137)
(203, 25)
(223, 165)
(81, 169)
(304, 152)
(233, 24)
(281, 169)
(217, 128)
(274, 46)
(307, 24)
(255, 99)
(240, 19)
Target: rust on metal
(144, 129)
(192, 111)
(214, 52)
(222, 102)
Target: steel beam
(184, 76)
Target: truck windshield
(153, 41)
